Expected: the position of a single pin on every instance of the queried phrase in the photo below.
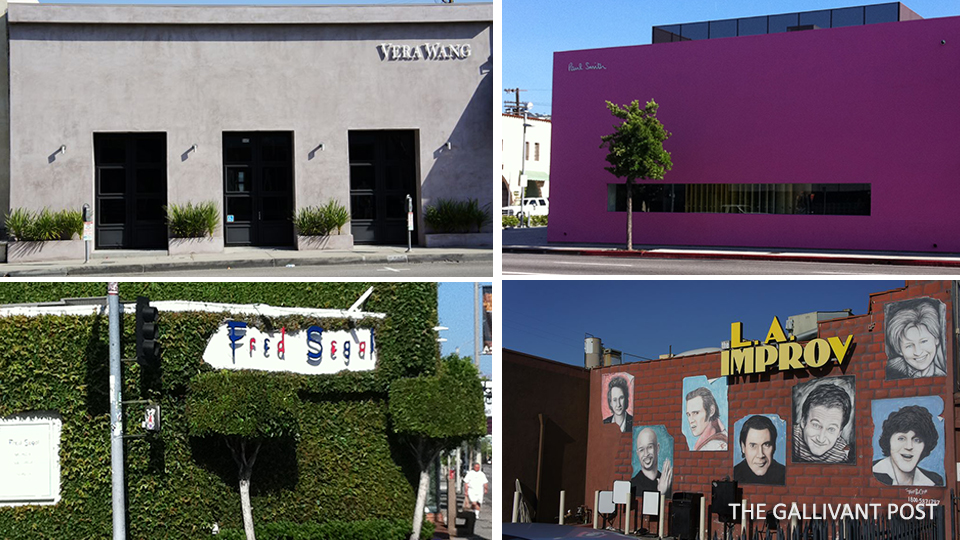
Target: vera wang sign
(427, 51)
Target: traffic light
(148, 349)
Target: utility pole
(116, 414)
(516, 106)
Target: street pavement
(109, 263)
(483, 529)
(521, 246)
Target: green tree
(246, 408)
(433, 414)
(636, 149)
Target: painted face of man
(647, 449)
(905, 450)
(617, 401)
(696, 416)
(918, 347)
(822, 428)
(758, 451)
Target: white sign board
(488, 398)
(88, 231)
(29, 460)
(313, 351)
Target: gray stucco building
(263, 110)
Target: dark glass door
(383, 171)
(131, 190)
(258, 188)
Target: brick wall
(658, 400)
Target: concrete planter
(335, 241)
(481, 239)
(187, 246)
(51, 250)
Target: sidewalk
(148, 262)
(534, 240)
(483, 529)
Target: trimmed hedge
(383, 529)
(345, 466)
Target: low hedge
(510, 221)
(371, 529)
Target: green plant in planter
(321, 220)
(191, 221)
(510, 221)
(26, 226)
(450, 216)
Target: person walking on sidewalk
(475, 485)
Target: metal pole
(477, 332)
(116, 415)
(409, 222)
(523, 162)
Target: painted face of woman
(905, 450)
(918, 347)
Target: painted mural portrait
(616, 407)
(760, 452)
(705, 413)
(652, 460)
(908, 441)
(915, 344)
(823, 421)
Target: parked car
(545, 531)
(531, 206)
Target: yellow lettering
(742, 360)
(840, 348)
(776, 332)
(736, 336)
(724, 363)
(790, 354)
(817, 353)
(766, 355)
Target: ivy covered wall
(344, 465)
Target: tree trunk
(421, 501)
(245, 464)
(245, 505)
(629, 215)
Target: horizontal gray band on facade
(161, 14)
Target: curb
(146, 268)
(815, 258)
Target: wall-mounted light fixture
(62, 150)
(320, 148)
(193, 149)
(448, 145)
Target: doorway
(383, 171)
(258, 188)
(131, 190)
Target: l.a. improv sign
(314, 351)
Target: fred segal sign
(314, 351)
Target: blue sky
(534, 30)
(456, 313)
(647, 317)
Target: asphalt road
(377, 271)
(515, 264)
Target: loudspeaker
(723, 494)
(685, 516)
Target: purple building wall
(876, 104)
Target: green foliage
(248, 404)
(449, 216)
(321, 220)
(373, 529)
(346, 465)
(26, 226)
(447, 408)
(636, 144)
(538, 221)
(193, 221)
(510, 221)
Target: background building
(820, 138)
(262, 110)
(535, 150)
